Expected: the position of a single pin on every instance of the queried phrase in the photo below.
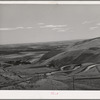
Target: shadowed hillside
(80, 52)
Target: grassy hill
(79, 52)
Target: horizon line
(45, 41)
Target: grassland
(64, 65)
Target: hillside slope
(85, 51)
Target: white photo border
(43, 94)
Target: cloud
(61, 30)
(9, 29)
(56, 28)
(5, 29)
(98, 24)
(53, 26)
(16, 28)
(93, 28)
(86, 22)
(40, 23)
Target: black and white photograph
(49, 46)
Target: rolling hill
(79, 52)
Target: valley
(62, 65)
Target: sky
(30, 23)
